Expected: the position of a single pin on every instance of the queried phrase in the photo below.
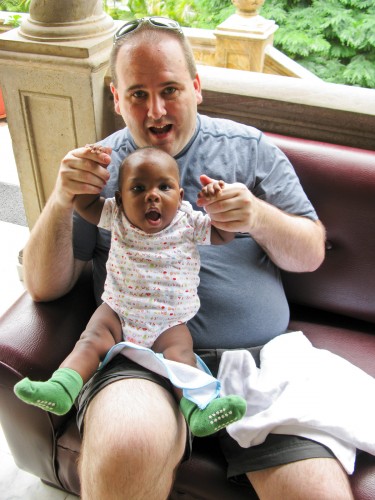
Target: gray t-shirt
(242, 298)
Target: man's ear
(198, 89)
(118, 198)
(115, 98)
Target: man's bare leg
(317, 478)
(134, 438)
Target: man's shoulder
(118, 140)
(223, 127)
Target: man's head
(155, 85)
(149, 189)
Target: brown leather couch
(334, 307)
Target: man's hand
(231, 207)
(293, 243)
(82, 171)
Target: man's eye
(139, 94)
(169, 91)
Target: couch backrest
(340, 182)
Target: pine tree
(335, 39)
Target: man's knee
(131, 427)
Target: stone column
(243, 37)
(52, 73)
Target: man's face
(156, 95)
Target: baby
(151, 286)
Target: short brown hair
(150, 34)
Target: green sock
(56, 395)
(219, 413)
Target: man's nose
(156, 108)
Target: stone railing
(55, 81)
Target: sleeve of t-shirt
(201, 223)
(106, 216)
(277, 182)
(85, 235)
(84, 238)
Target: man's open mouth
(161, 130)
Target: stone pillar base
(241, 42)
(59, 32)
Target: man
(134, 454)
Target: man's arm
(50, 269)
(293, 243)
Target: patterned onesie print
(152, 279)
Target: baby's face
(151, 194)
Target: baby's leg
(176, 344)
(58, 394)
(102, 332)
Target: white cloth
(198, 385)
(303, 391)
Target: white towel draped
(303, 391)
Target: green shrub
(335, 39)
(15, 5)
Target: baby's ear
(181, 195)
(118, 198)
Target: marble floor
(14, 483)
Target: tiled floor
(14, 483)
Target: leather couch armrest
(36, 337)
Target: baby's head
(149, 189)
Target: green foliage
(14, 21)
(335, 39)
(15, 5)
(193, 13)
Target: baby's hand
(210, 189)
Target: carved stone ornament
(53, 20)
(247, 8)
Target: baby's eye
(164, 187)
(138, 189)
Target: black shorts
(276, 450)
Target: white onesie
(152, 279)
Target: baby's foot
(56, 395)
(219, 413)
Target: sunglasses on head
(157, 22)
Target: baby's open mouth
(161, 130)
(153, 215)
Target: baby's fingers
(98, 153)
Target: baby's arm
(212, 191)
(90, 206)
